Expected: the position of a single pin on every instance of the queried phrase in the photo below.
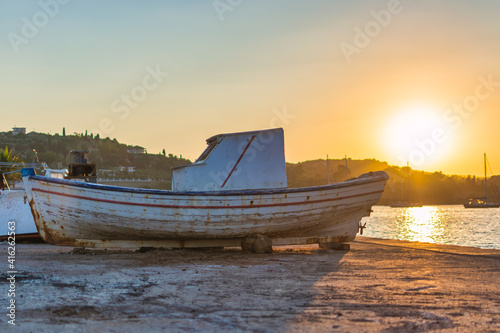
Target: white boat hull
(93, 215)
(14, 208)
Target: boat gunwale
(376, 176)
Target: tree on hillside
(8, 156)
(64, 131)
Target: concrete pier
(376, 286)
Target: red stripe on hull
(205, 207)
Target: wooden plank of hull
(200, 243)
(68, 214)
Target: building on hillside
(18, 130)
(129, 169)
(136, 150)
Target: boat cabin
(236, 161)
(56, 173)
(80, 168)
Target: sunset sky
(397, 81)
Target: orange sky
(261, 64)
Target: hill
(429, 188)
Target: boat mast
(485, 179)
(408, 171)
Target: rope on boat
(5, 181)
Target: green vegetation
(8, 156)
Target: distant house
(136, 150)
(129, 169)
(17, 130)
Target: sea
(451, 224)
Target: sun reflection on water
(447, 224)
(423, 224)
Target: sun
(418, 135)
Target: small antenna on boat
(485, 179)
(408, 172)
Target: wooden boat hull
(82, 214)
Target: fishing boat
(483, 202)
(236, 189)
(14, 209)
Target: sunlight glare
(419, 135)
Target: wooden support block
(257, 244)
(335, 246)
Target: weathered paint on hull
(76, 214)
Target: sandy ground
(377, 286)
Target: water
(454, 225)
